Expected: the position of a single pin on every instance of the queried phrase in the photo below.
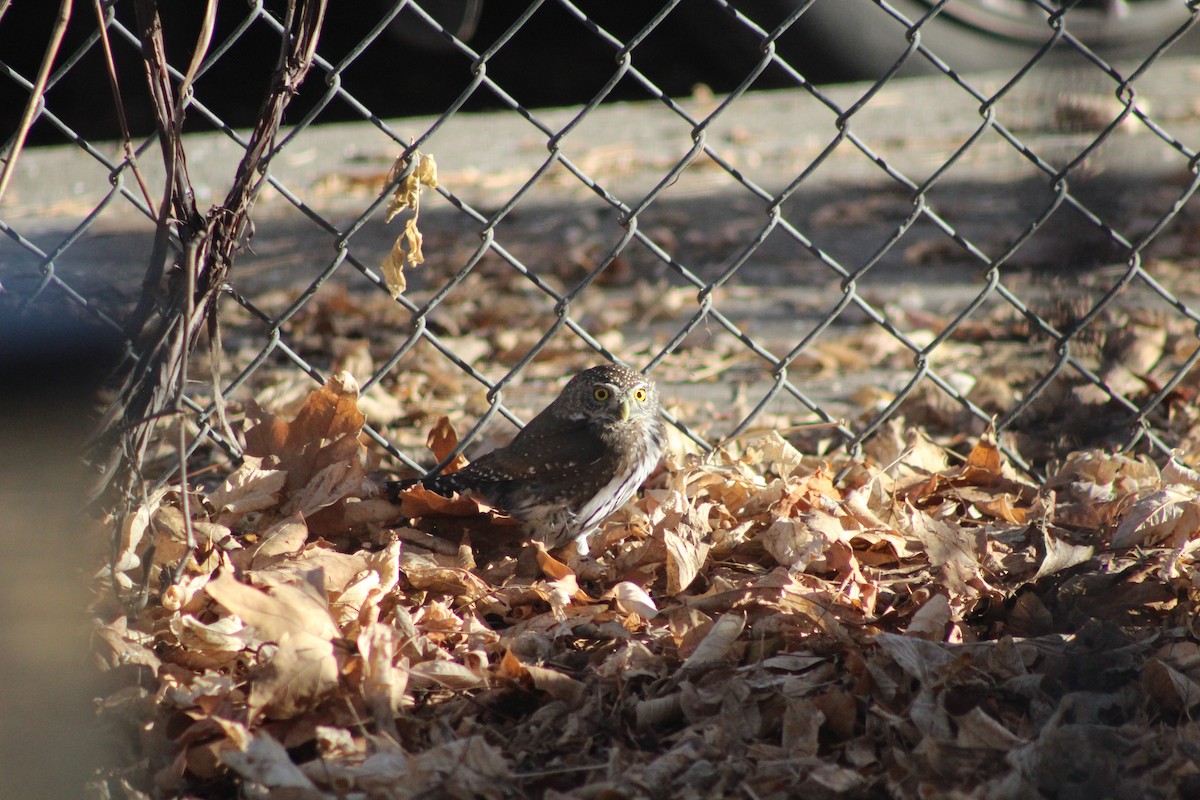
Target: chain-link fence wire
(1064, 336)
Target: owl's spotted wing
(549, 462)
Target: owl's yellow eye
(640, 395)
(600, 393)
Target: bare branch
(35, 97)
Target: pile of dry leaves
(924, 626)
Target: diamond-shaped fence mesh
(992, 226)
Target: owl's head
(611, 394)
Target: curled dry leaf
(1175, 471)
(931, 619)
(1168, 517)
(428, 575)
(459, 769)
(335, 482)
(717, 646)
(210, 644)
(441, 442)
(316, 565)
(685, 557)
(552, 682)
(384, 682)
(550, 566)
(1061, 555)
(265, 762)
(776, 454)
(132, 532)
(632, 599)
(951, 548)
(117, 647)
(292, 676)
(444, 675)
(984, 463)
(416, 502)
(797, 542)
(248, 488)
(978, 730)
(286, 537)
(1174, 691)
(406, 251)
(171, 537)
(802, 722)
(658, 712)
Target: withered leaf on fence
(132, 531)
(406, 251)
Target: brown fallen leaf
(441, 441)
(1174, 691)
(384, 681)
(264, 761)
(632, 599)
(685, 557)
(283, 538)
(1060, 555)
(416, 502)
(301, 667)
(1166, 518)
(718, 646)
(930, 620)
(552, 682)
(323, 434)
(445, 675)
(952, 549)
(248, 488)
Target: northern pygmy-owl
(576, 462)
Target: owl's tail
(444, 485)
(392, 489)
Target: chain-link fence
(960, 249)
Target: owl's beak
(626, 408)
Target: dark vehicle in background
(557, 58)
(839, 40)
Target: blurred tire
(858, 39)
